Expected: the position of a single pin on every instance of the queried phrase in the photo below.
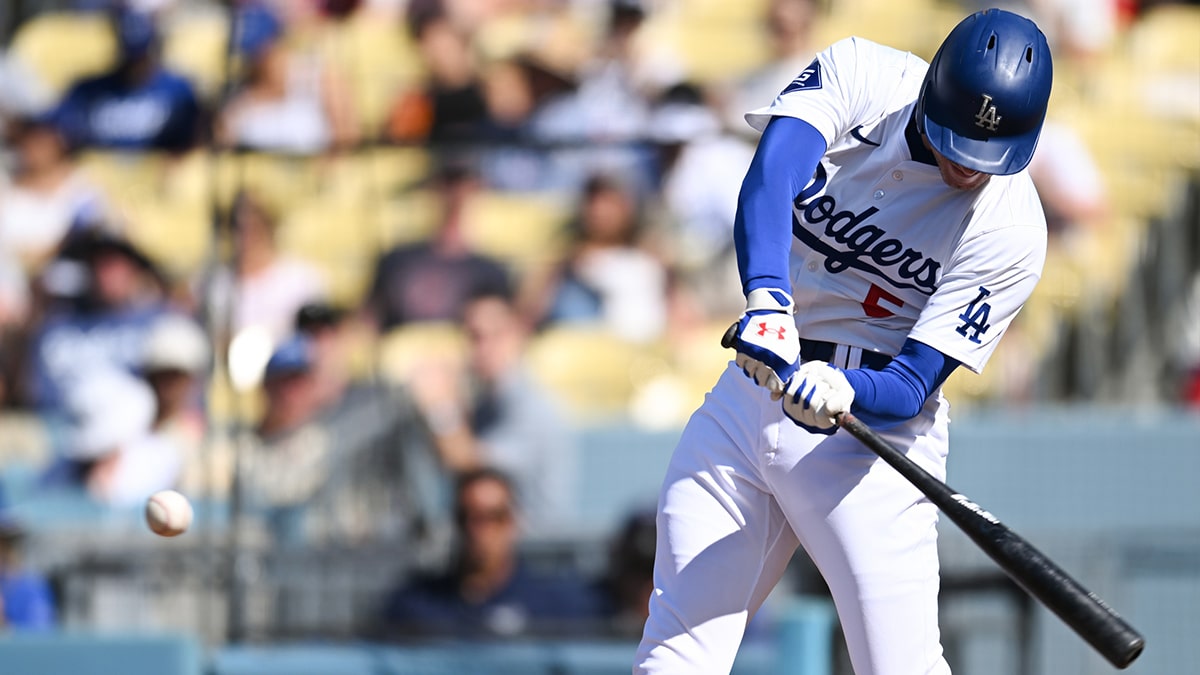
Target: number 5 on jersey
(876, 295)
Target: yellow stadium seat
(405, 350)
(195, 45)
(520, 229)
(175, 234)
(278, 180)
(335, 234)
(62, 47)
(394, 169)
(594, 373)
(377, 58)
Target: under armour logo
(763, 329)
(987, 117)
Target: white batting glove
(767, 342)
(816, 395)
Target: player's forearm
(897, 393)
(783, 164)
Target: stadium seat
(294, 660)
(377, 58)
(403, 349)
(523, 230)
(62, 47)
(195, 43)
(594, 373)
(79, 654)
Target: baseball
(168, 513)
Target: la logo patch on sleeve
(809, 79)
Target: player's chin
(961, 178)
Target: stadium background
(1082, 434)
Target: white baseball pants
(744, 487)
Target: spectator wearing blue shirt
(138, 105)
(26, 599)
(103, 296)
(489, 590)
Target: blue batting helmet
(984, 97)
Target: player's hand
(816, 395)
(767, 344)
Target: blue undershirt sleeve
(885, 398)
(783, 165)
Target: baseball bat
(1089, 616)
(1079, 608)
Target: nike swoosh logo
(856, 132)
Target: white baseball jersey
(883, 250)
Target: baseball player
(887, 233)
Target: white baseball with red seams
(168, 513)
(885, 248)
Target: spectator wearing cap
(104, 295)
(139, 104)
(286, 102)
(290, 386)
(26, 599)
(281, 472)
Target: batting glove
(816, 395)
(767, 343)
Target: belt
(842, 356)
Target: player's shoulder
(868, 55)
(1009, 203)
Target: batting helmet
(984, 97)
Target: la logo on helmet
(987, 117)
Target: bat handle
(729, 339)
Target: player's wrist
(769, 300)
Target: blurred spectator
(702, 171)
(286, 101)
(612, 101)
(26, 599)
(326, 326)
(335, 459)
(451, 106)
(1069, 183)
(789, 24)
(45, 194)
(139, 105)
(266, 287)
(15, 314)
(103, 295)
(108, 448)
(495, 413)
(431, 280)
(608, 278)
(630, 576)
(291, 456)
(22, 92)
(174, 361)
(489, 590)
